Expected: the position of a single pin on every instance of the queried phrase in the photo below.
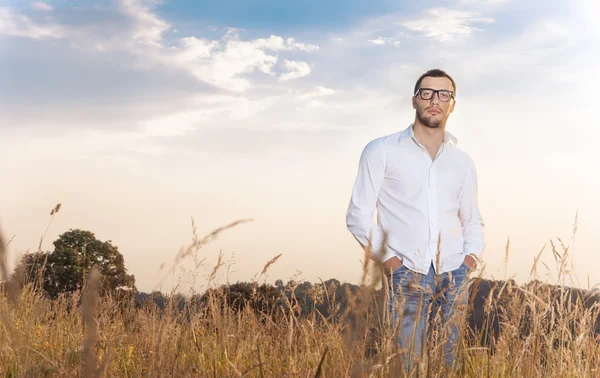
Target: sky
(141, 115)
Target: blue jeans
(415, 300)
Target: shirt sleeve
(470, 216)
(363, 202)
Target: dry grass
(104, 337)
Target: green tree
(64, 270)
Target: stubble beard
(430, 122)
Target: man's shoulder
(461, 154)
(378, 148)
(384, 141)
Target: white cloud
(147, 28)
(317, 92)
(177, 124)
(277, 43)
(446, 24)
(296, 70)
(193, 50)
(19, 25)
(39, 6)
(221, 63)
(378, 41)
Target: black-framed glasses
(427, 94)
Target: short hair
(434, 73)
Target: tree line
(63, 271)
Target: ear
(452, 106)
(414, 102)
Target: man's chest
(414, 172)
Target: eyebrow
(447, 90)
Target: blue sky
(138, 114)
(280, 16)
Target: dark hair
(434, 73)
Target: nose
(435, 99)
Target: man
(425, 191)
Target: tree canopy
(64, 270)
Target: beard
(430, 122)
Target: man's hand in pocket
(471, 262)
(391, 265)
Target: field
(84, 335)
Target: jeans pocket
(397, 270)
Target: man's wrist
(475, 259)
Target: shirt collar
(409, 134)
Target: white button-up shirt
(418, 200)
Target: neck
(428, 136)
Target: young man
(425, 191)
